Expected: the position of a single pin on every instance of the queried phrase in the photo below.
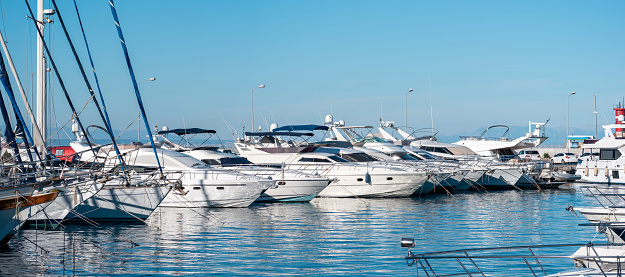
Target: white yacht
(351, 179)
(374, 151)
(608, 167)
(202, 185)
(289, 185)
(503, 148)
(486, 174)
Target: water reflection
(325, 236)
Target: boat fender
(586, 171)
(607, 172)
(368, 178)
(596, 171)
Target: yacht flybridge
(503, 148)
(608, 167)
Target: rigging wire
(103, 116)
(134, 82)
(61, 83)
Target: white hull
(602, 172)
(600, 257)
(69, 198)
(209, 193)
(120, 203)
(603, 214)
(401, 185)
(291, 190)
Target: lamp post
(139, 124)
(409, 90)
(261, 86)
(568, 121)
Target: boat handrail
(469, 260)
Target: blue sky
(485, 62)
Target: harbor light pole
(595, 112)
(568, 121)
(139, 124)
(409, 90)
(261, 86)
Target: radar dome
(329, 119)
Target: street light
(409, 90)
(568, 121)
(139, 124)
(261, 86)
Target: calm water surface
(323, 237)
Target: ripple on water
(324, 237)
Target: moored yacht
(201, 185)
(352, 179)
(289, 185)
(608, 167)
(486, 174)
(503, 148)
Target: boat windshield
(338, 159)
(408, 157)
(427, 155)
(367, 139)
(234, 161)
(358, 157)
(415, 156)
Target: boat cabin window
(408, 157)
(609, 154)
(138, 169)
(338, 159)
(416, 157)
(427, 156)
(211, 162)
(267, 140)
(234, 161)
(58, 152)
(314, 160)
(436, 149)
(358, 157)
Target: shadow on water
(327, 236)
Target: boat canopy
(309, 127)
(187, 131)
(261, 134)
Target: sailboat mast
(36, 130)
(41, 82)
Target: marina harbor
(336, 175)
